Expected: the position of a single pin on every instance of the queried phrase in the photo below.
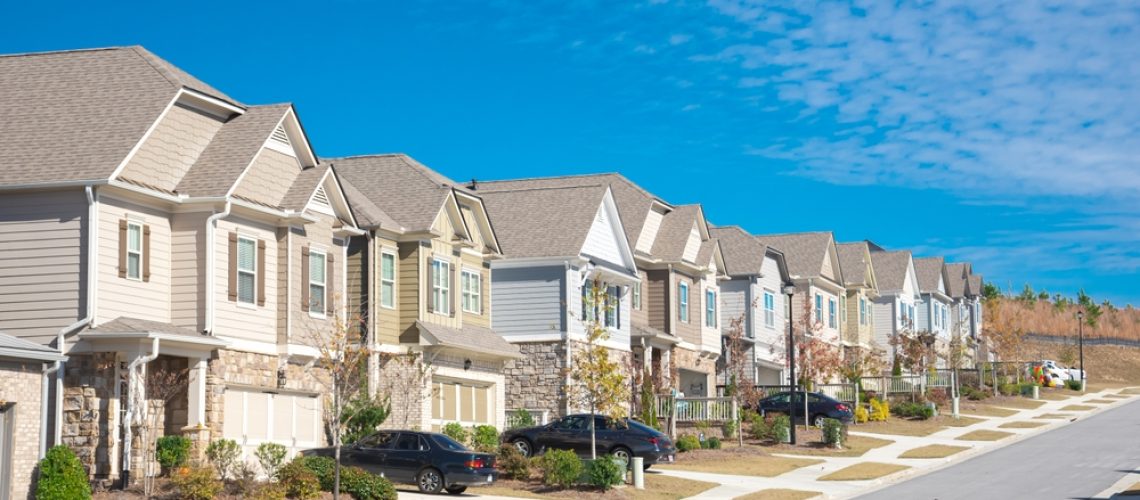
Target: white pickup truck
(1060, 371)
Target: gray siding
(922, 314)
(42, 263)
(733, 297)
(884, 310)
(527, 301)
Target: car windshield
(633, 424)
(447, 443)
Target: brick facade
(20, 386)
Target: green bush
(761, 427)
(269, 491)
(224, 455)
(1009, 389)
(322, 467)
(688, 442)
(729, 429)
(485, 438)
(561, 468)
(245, 478)
(1026, 388)
(712, 443)
(62, 476)
(455, 431)
(781, 428)
(271, 456)
(520, 418)
(833, 434)
(172, 451)
(605, 472)
(195, 483)
(363, 415)
(974, 394)
(914, 410)
(299, 482)
(512, 463)
(1073, 384)
(365, 486)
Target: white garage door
(253, 417)
(469, 403)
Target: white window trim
(392, 254)
(442, 306)
(465, 277)
(139, 226)
(611, 310)
(637, 295)
(313, 251)
(832, 316)
(252, 304)
(683, 301)
(769, 314)
(710, 307)
(819, 308)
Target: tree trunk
(593, 434)
(336, 440)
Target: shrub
(270, 491)
(1073, 384)
(712, 443)
(245, 477)
(605, 472)
(298, 481)
(761, 427)
(195, 483)
(62, 476)
(224, 454)
(561, 468)
(520, 418)
(730, 429)
(688, 442)
(322, 467)
(485, 438)
(938, 396)
(1026, 388)
(1009, 389)
(833, 434)
(455, 431)
(914, 410)
(512, 463)
(880, 410)
(781, 427)
(974, 394)
(363, 415)
(861, 414)
(271, 456)
(172, 451)
(365, 486)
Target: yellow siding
(476, 263)
(411, 297)
(319, 236)
(387, 320)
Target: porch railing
(696, 409)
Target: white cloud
(679, 38)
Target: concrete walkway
(806, 478)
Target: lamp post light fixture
(1081, 344)
(789, 291)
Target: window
(937, 315)
(589, 308)
(637, 295)
(862, 311)
(246, 270)
(613, 307)
(388, 280)
(769, 309)
(945, 317)
(843, 309)
(831, 313)
(910, 312)
(316, 282)
(710, 308)
(683, 301)
(818, 308)
(134, 250)
(441, 287)
(471, 286)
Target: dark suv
(623, 438)
(819, 407)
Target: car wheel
(523, 446)
(456, 490)
(818, 420)
(430, 481)
(622, 453)
(646, 466)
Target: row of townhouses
(151, 224)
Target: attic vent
(320, 198)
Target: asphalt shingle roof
(231, 151)
(743, 253)
(470, 338)
(125, 324)
(853, 260)
(890, 268)
(673, 235)
(410, 193)
(542, 222)
(956, 279)
(803, 252)
(928, 270)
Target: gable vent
(280, 136)
(320, 198)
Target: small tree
(735, 368)
(159, 387)
(599, 382)
(364, 415)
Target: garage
(255, 416)
(466, 402)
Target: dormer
(648, 236)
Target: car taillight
(654, 441)
(841, 407)
(475, 464)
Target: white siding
(123, 297)
(770, 281)
(710, 336)
(922, 315)
(619, 337)
(526, 301)
(693, 246)
(244, 321)
(601, 241)
(649, 231)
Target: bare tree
(162, 386)
(599, 382)
(406, 376)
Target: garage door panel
(308, 418)
(283, 418)
(234, 415)
(257, 414)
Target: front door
(407, 456)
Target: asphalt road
(1078, 460)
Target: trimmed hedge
(914, 410)
(605, 472)
(561, 468)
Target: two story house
(862, 290)
(567, 267)
(752, 298)
(153, 225)
(22, 384)
(425, 293)
(933, 308)
(894, 309)
(820, 299)
(965, 291)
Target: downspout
(211, 225)
(56, 368)
(126, 423)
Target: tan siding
(318, 235)
(476, 263)
(690, 331)
(657, 299)
(174, 145)
(269, 177)
(285, 284)
(358, 295)
(445, 250)
(119, 296)
(188, 270)
(245, 321)
(411, 296)
(640, 316)
(388, 323)
(48, 281)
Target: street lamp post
(789, 291)
(1081, 344)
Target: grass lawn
(1015, 402)
(863, 472)
(1100, 401)
(1131, 491)
(657, 487)
(1116, 396)
(1131, 390)
(1078, 408)
(933, 451)
(950, 421)
(901, 427)
(1055, 395)
(984, 436)
(856, 446)
(986, 410)
(1021, 425)
(1055, 416)
(662, 487)
(746, 461)
(779, 494)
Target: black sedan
(431, 461)
(623, 439)
(819, 407)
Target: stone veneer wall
(89, 408)
(685, 359)
(20, 385)
(535, 382)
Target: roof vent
(320, 198)
(280, 136)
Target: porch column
(196, 393)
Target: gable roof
(743, 254)
(673, 235)
(75, 115)
(804, 252)
(853, 259)
(891, 268)
(956, 279)
(526, 218)
(410, 193)
(929, 271)
(231, 151)
(975, 285)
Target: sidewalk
(806, 478)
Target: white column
(196, 393)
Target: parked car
(434, 462)
(819, 407)
(624, 439)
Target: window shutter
(484, 292)
(451, 288)
(305, 278)
(122, 248)
(260, 272)
(146, 253)
(233, 266)
(430, 283)
(330, 281)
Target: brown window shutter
(305, 278)
(122, 248)
(260, 272)
(451, 288)
(330, 282)
(146, 253)
(233, 266)
(484, 292)
(429, 282)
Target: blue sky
(1002, 133)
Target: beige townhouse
(861, 292)
(820, 300)
(425, 293)
(179, 247)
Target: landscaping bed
(810, 442)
